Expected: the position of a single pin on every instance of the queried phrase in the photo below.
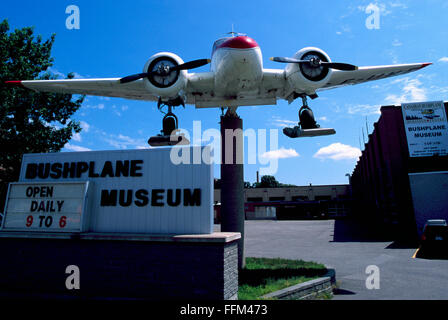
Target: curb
(305, 290)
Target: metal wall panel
(429, 196)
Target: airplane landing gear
(306, 116)
(169, 134)
(308, 126)
(169, 123)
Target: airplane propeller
(166, 70)
(316, 62)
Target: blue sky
(116, 38)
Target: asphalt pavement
(350, 249)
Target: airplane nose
(240, 42)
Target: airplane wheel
(169, 124)
(306, 118)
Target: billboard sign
(133, 191)
(426, 128)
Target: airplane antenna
(233, 31)
(363, 136)
(359, 139)
(367, 127)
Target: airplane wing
(200, 90)
(365, 74)
(108, 87)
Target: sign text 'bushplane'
(113, 197)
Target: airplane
(236, 78)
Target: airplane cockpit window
(218, 43)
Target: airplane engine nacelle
(305, 77)
(165, 84)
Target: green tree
(269, 182)
(30, 122)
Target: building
(303, 202)
(386, 178)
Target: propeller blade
(133, 77)
(332, 65)
(191, 64)
(185, 66)
(287, 60)
(339, 66)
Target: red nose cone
(240, 42)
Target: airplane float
(236, 78)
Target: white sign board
(426, 128)
(135, 191)
(46, 207)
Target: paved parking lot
(347, 248)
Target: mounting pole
(304, 100)
(232, 178)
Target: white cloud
(56, 72)
(115, 109)
(338, 151)
(443, 59)
(393, 55)
(62, 75)
(344, 29)
(281, 153)
(97, 106)
(284, 123)
(72, 147)
(398, 4)
(85, 126)
(384, 11)
(364, 109)
(411, 92)
(397, 43)
(124, 142)
(78, 76)
(76, 137)
(384, 8)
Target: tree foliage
(30, 122)
(270, 182)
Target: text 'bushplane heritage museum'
(236, 78)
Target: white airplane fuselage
(237, 65)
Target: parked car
(435, 236)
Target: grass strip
(265, 275)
